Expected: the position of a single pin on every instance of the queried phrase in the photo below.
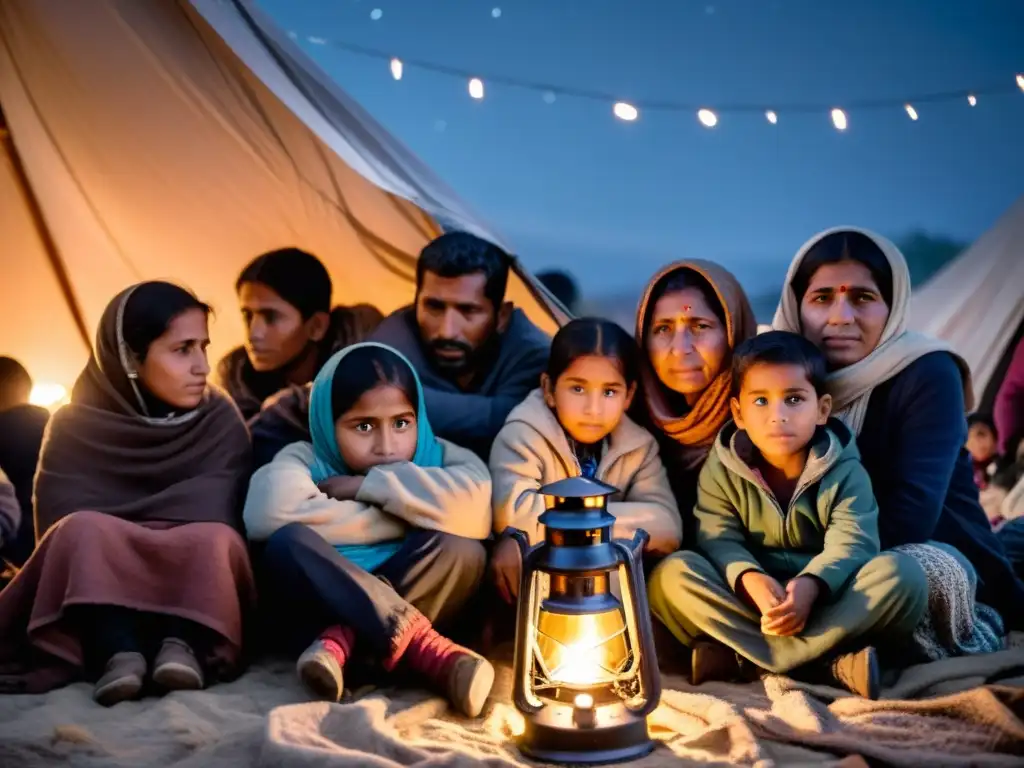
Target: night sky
(570, 186)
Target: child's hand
(342, 487)
(506, 569)
(789, 617)
(764, 591)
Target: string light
(625, 111)
(708, 118)
(550, 91)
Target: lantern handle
(650, 678)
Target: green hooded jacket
(829, 530)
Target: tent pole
(44, 233)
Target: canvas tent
(976, 302)
(170, 139)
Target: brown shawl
(102, 453)
(694, 429)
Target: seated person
(477, 355)
(21, 436)
(373, 532)
(981, 444)
(10, 521)
(291, 330)
(788, 527)
(576, 424)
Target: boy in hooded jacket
(789, 573)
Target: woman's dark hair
(151, 309)
(298, 277)
(845, 246)
(680, 280)
(779, 348)
(366, 368)
(593, 336)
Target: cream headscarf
(851, 386)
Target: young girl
(373, 531)
(576, 424)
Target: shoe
(710, 661)
(857, 672)
(463, 676)
(176, 667)
(122, 680)
(321, 666)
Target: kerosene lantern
(586, 674)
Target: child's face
(981, 443)
(589, 398)
(379, 429)
(779, 409)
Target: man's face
(455, 319)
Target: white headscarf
(851, 386)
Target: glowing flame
(48, 395)
(583, 701)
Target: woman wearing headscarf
(291, 330)
(373, 532)
(140, 572)
(690, 318)
(905, 396)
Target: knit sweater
(532, 450)
(453, 499)
(828, 530)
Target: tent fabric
(177, 140)
(976, 302)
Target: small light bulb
(476, 88)
(1020, 82)
(911, 112)
(584, 701)
(625, 111)
(839, 119)
(396, 69)
(972, 99)
(772, 117)
(707, 117)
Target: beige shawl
(851, 386)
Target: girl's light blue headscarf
(327, 460)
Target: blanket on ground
(955, 712)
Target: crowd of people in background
(813, 495)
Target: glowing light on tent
(1020, 82)
(48, 395)
(771, 117)
(911, 112)
(839, 119)
(625, 111)
(476, 88)
(972, 100)
(707, 118)
(396, 69)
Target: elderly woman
(141, 573)
(905, 396)
(690, 318)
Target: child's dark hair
(367, 368)
(779, 348)
(593, 336)
(982, 419)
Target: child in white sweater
(373, 531)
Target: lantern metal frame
(580, 553)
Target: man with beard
(476, 354)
